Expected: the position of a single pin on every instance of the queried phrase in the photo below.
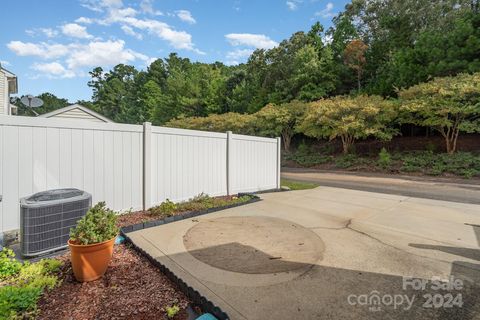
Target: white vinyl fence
(127, 166)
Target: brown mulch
(132, 288)
(134, 218)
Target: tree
(449, 105)
(50, 103)
(350, 118)
(354, 57)
(279, 120)
(235, 122)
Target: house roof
(12, 80)
(72, 107)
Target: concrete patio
(311, 254)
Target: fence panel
(253, 164)
(186, 163)
(39, 154)
(127, 166)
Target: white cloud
(48, 32)
(260, 41)
(293, 4)
(102, 53)
(101, 5)
(76, 31)
(237, 56)
(147, 7)
(42, 50)
(5, 63)
(130, 24)
(129, 31)
(76, 56)
(177, 39)
(84, 20)
(327, 12)
(53, 70)
(186, 16)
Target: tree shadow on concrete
(321, 292)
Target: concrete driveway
(329, 253)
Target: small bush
(98, 225)
(384, 159)
(9, 266)
(166, 208)
(172, 311)
(464, 164)
(346, 161)
(22, 289)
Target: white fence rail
(127, 166)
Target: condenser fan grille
(46, 219)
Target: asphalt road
(456, 190)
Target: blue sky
(51, 45)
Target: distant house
(76, 112)
(8, 86)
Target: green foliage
(200, 202)
(172, 311)
(235, 122)
(384, 159)
(166, 208)
(298, 185)
(9, 266)
(21, 289)
(98, 225)
(449, 105)
(464, 164)
(350, 119)
(347, 161)
(279, 120)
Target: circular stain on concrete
(255, 245)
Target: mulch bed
(131, 218)
(132, 288)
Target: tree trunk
(347, 142)
(286, 141)
(451, 137)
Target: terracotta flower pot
(89, 262)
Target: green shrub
(384, 159)
(200, 202)
(303, 148)
(9, 266)
(22, 289)
(166, 208)
(19, 302)
(346, 161)
(172, 311)
(98, 225)
(465, 164)
(431, 147)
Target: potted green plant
(91, 242)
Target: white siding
(3, 93)
(77, 114)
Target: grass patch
(298, 185)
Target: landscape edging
(205, 304)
